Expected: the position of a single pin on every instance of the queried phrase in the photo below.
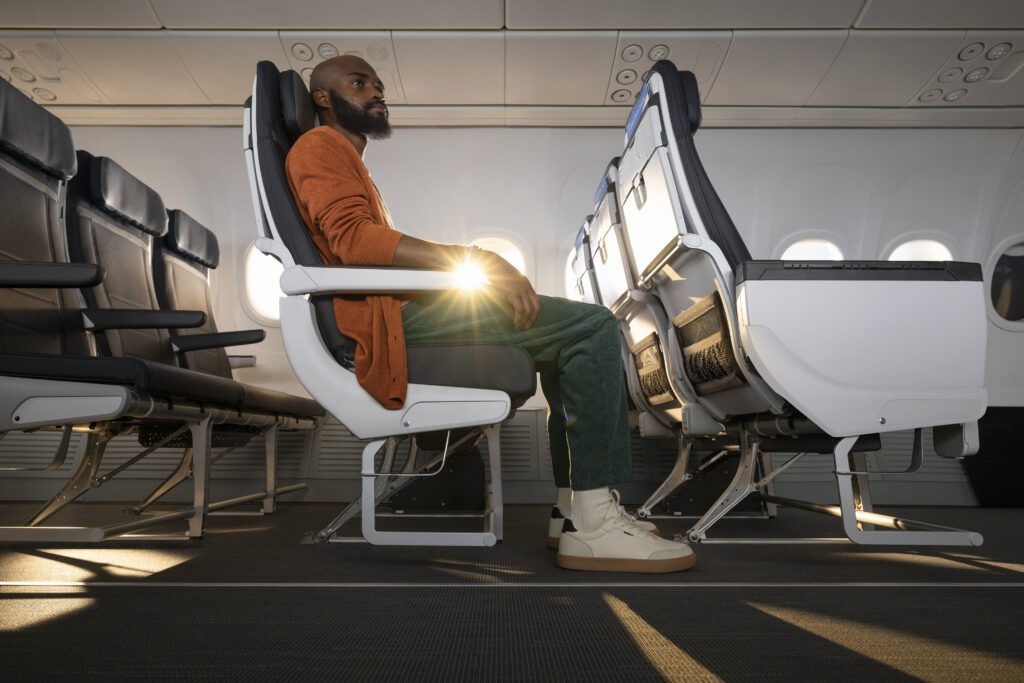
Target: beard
(359, 120)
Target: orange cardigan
(351, 225)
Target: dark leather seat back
(284, 111)
(685, 112)
(113, 219)
(182, 261)
(37, 157)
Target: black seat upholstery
(181, 261)
(275, 133)
(504, 367)
(113, 219)
(684, 104)
(37, 157)
(145, 376)
(282, 115)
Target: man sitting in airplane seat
(575, 346)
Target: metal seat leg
(81, 480)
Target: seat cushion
(158, 379)
(279, 403)
(144, 376)
(504, 367)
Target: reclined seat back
(37, 157)
(583, 286)
(284, 112)
(182, 261)
(683, 244)
(113, 219)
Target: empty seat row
(729, 352)
(106, 325)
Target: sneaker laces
(620, 514)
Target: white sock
(589, 508)
(564, 503)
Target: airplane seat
(113, 221)
(796, 350)
(37, 157)
(52, 377)
(651, 377)
(584, 287)
(450, 386)
(182, 262)
(289, 116)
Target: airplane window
(503, 248)
(812, 250)
(262, 291)
(921, 250)
(1008, 284)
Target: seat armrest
(44, 274)
(299, 280)
(97, 319)
(217, 340)
(242, 361)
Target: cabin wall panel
(332, 474)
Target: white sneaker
(557, 521)
(619, 545)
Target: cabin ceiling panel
(451, 67)
(942, 14)
(134, 67)
(304, 50)
(680, 14)
(775, 68)
(330, 14)
(558, 67)
(701, 52)
(884, 68)
(40, 67)
(53, 14)
(985, 70)
(223, 62)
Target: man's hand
(510, 283)
(513, 285)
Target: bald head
(327, 74)
(349, 96)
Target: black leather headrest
(691, 96)
(121, 194)
(30, 133)
(297, 108)
(189, 238)
(682, 93)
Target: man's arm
(513, 285)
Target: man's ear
(321, 99)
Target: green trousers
(576, 349)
